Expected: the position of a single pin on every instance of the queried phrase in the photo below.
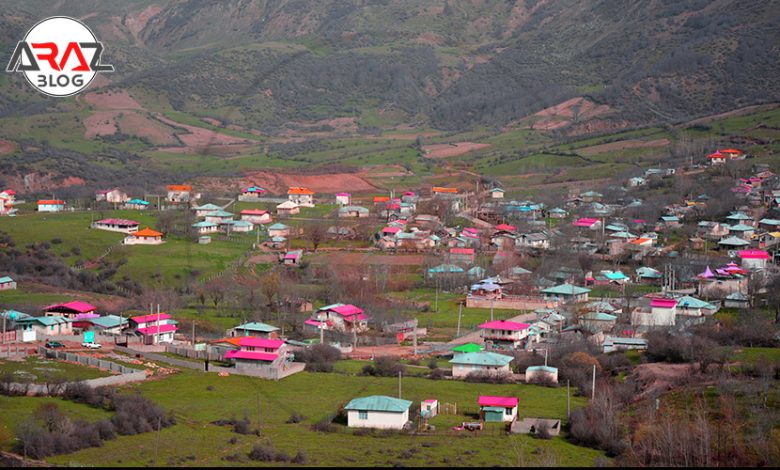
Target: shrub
(487, 378)
(432, 364)
(262, 453)
(300, 458)
(295, 417)
(384, 366)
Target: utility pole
(593, 391)
(157, 441)
(437, 294)
(568, 401)
(460, 312)
(492, 299)
(399, 384)
(414, 339)
(193, 334)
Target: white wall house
(378, 411)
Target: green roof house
(481, 362)
(566, 292)
(378, 411)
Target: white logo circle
(64, 50)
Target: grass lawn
(36, 369)
(17, 409)
(752, 355)
(193, 441)
(446, 317)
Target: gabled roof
(203, 224)
(179, 187)
(253, 212)
(150, 317)
(207, 207)
(446, 268)
(692, 302)
(75, 306)
(219, 213)
(379, 403)
(155, 329)
(257, 326)
(109, 321)
(147, 232)
(733, 241)
(5, 279)
(753, 254)
(138, 202)
(299, 190)
(482, 358)
(503, 402)
(467, 348)
(599, 316)
(287, 205)
(505, 325)
(566, 289)
(251, 341)
(278, 226)
(251, 355)
(47, 202)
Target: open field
(37, 370)
(193, 441)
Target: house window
(508, 411)
(362, 414)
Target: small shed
(429, 408)
(534, 373)
(378, 411)
(494, 409)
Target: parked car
(54, 344)
(91, 345)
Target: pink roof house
(754, 259)
(70, 309)
(340, 317)
(506, 228)
(497, 409)
(588, 222)
(154, 328)
(504, 333)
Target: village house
(146, 236)
(6, 283)
(70, 310)
(497, 409)
(180, 194)
(278, 243)
(588, 223)
(461, 255)
(301, 196)
(419, 240)
(736, 300)
(253, 192)
(205, 209)
(378, 411)
(256, 353)
(6, 205)
(662, 313)
(112, 196)
(237, 226)
(288, 208)
(566, 293)
(723, 281)
(256, 216)
(343, 199)
(597, 322)
(645, 274)
(278, 230)
(108, 324)
(293, 258)
(482, 362)
(615, 343)
(693, 307)
(496, 193)
(257, 329)
(504, 334)
(136, 204)
(116, 225)
(541, 374)
(339, 317)
(218, 216)
(754, 259)
(533, 240)
(557, 213)
(46, 326)
(353, 211)
(205, 227)
(154, 328)
(51, 205)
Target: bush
(437, 374)
(300, 458)
(487, 378)
(319, 357)
(295, 418)
(262, 453)
(432, 364)
(384, 366)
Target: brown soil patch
(264, 259)
(563, 114)
(451, 150)
(141, 125)
(656, 378)
(198, 138)
(35, 182)
(429, 38)
(366, 352)
(328, 183)
(7, 146)
(623, 145)
(135, 22)
(100, 123)
(104, 302)
(119, 99)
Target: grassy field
(753, 355)
(38, 369)
(445, 320)
(193, 441)
(17, 409)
